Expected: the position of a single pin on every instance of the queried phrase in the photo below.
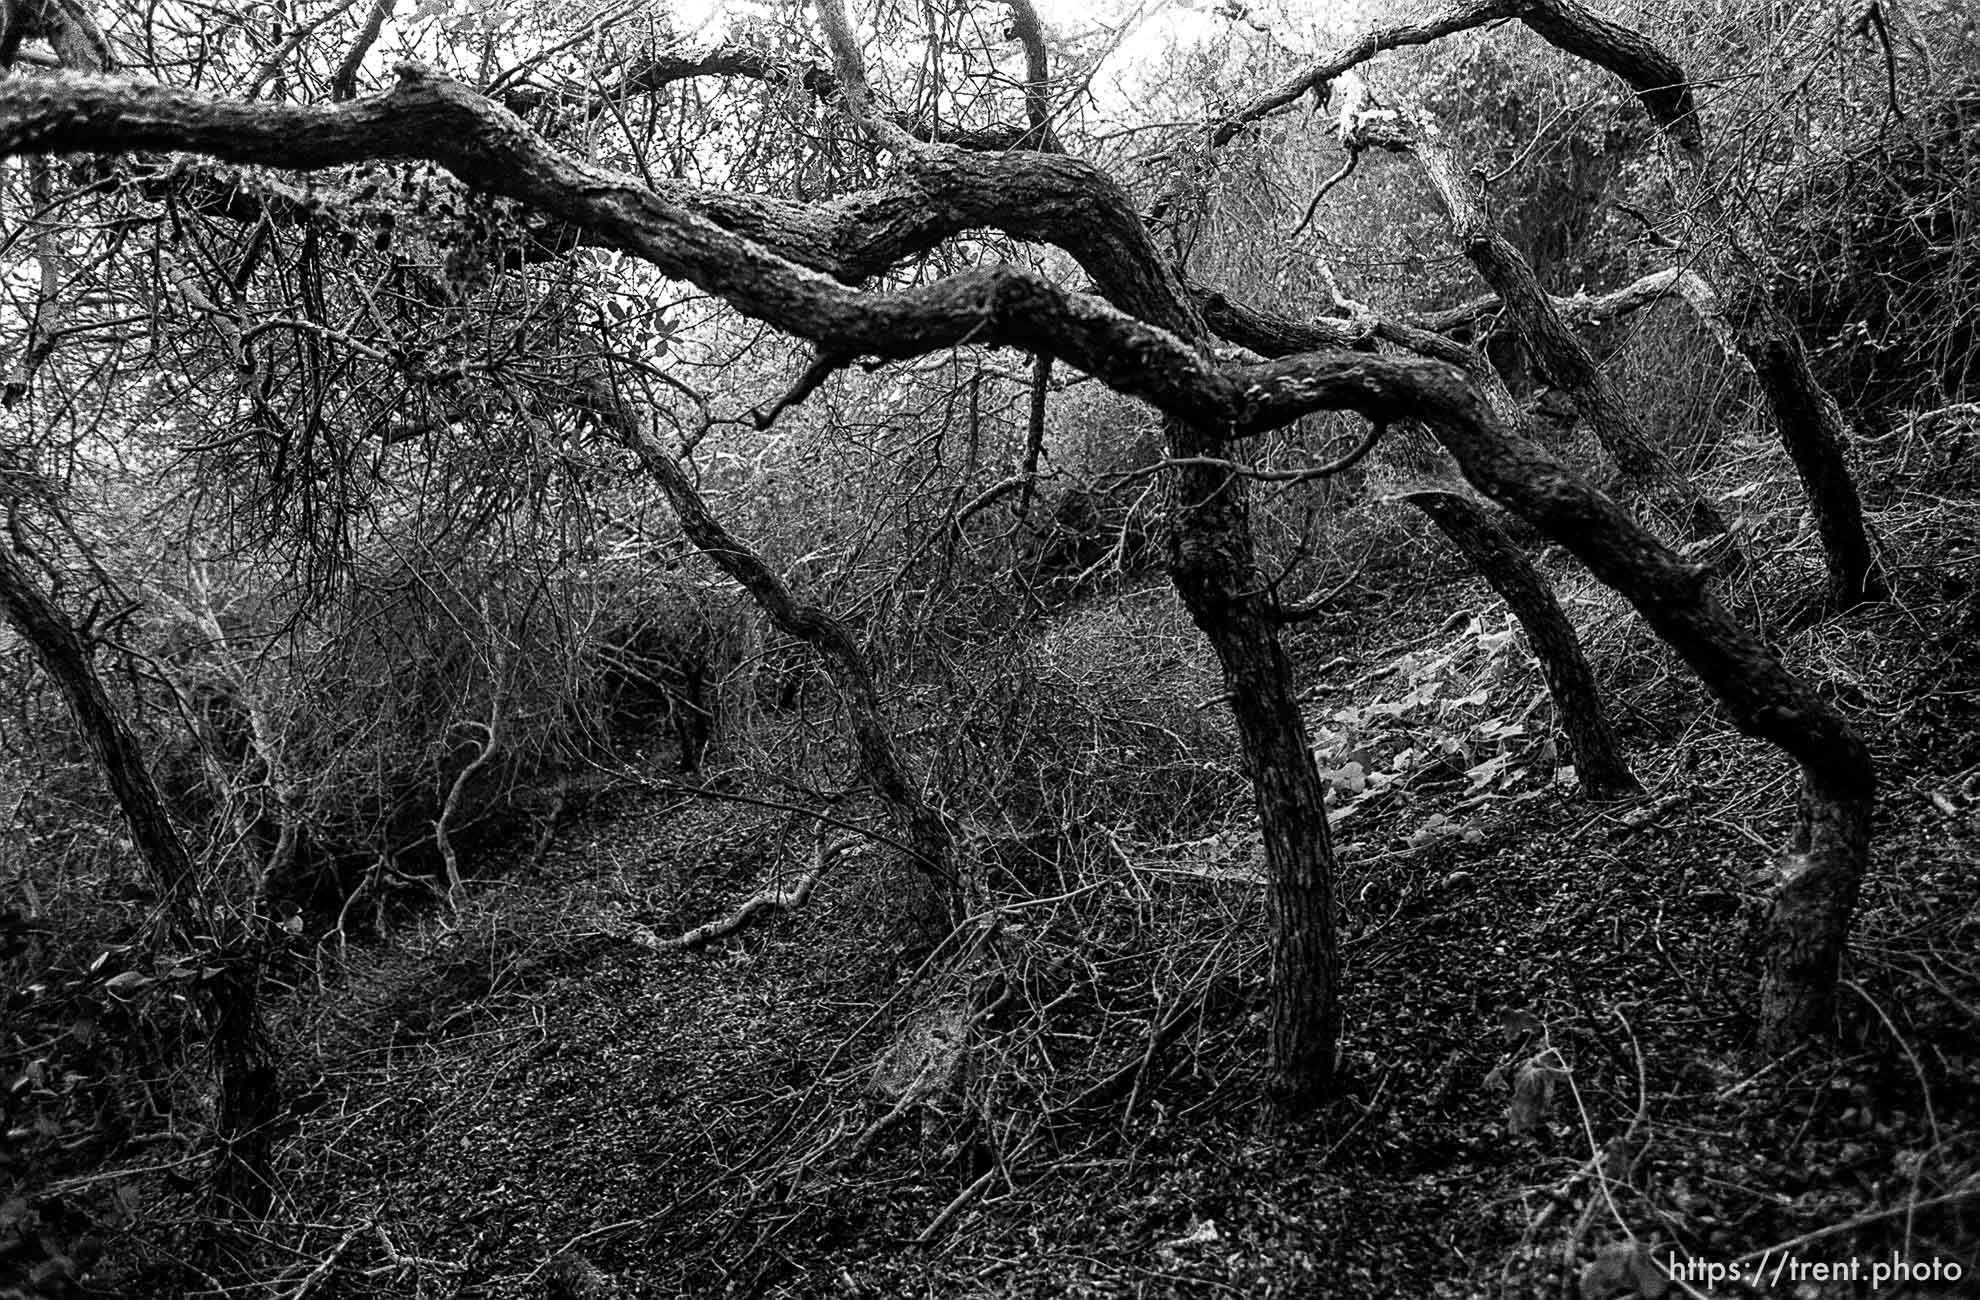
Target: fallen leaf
(1533, 1096)
(1518, 1023)
(1624, 1267)
(1199, 1234)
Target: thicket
(384, 613)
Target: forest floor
(1549, 1053)
(516, 1102)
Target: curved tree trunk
(228, 1002)
(1817, 890)
(930, 907)
(55, 642)
(1816, 894)
(1806, 416)
(1212, 565)
(1598, 762)
(1814, 434)
(1137, 341)
(1557, 349)
(1214, 569)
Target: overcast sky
(1151, 28)
(1155, 22)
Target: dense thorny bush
(1691, 396)
(298, 748)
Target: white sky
(1054, 13)
(1152, 26)
(1157, 19)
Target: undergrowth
(1548, 1081)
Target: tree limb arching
(880, 763)
(1808, 929)
(1212, 564)
(1317, 78)
(654, 73)
(1657, 78)
(1561, 354)
(427, 117)
(1816, 895)
(1806, 416)
(1600, 768)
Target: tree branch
(343, 82)
(1317, 78)
(766, 902)
(1561, 354)
(1656, 77)
(429, 117)
(1037, 76)
(851, 66)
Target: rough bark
(1814, 434)
(1213, 566)
(1037, 77)
(1598, 762)
(1443, 335)
(56, 644)
(935, 195)
(1657, 79)
(1810, 921)
(1816, 897)
(1214, 570)
(65, 24)
(427, 117)
(1271, 334)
